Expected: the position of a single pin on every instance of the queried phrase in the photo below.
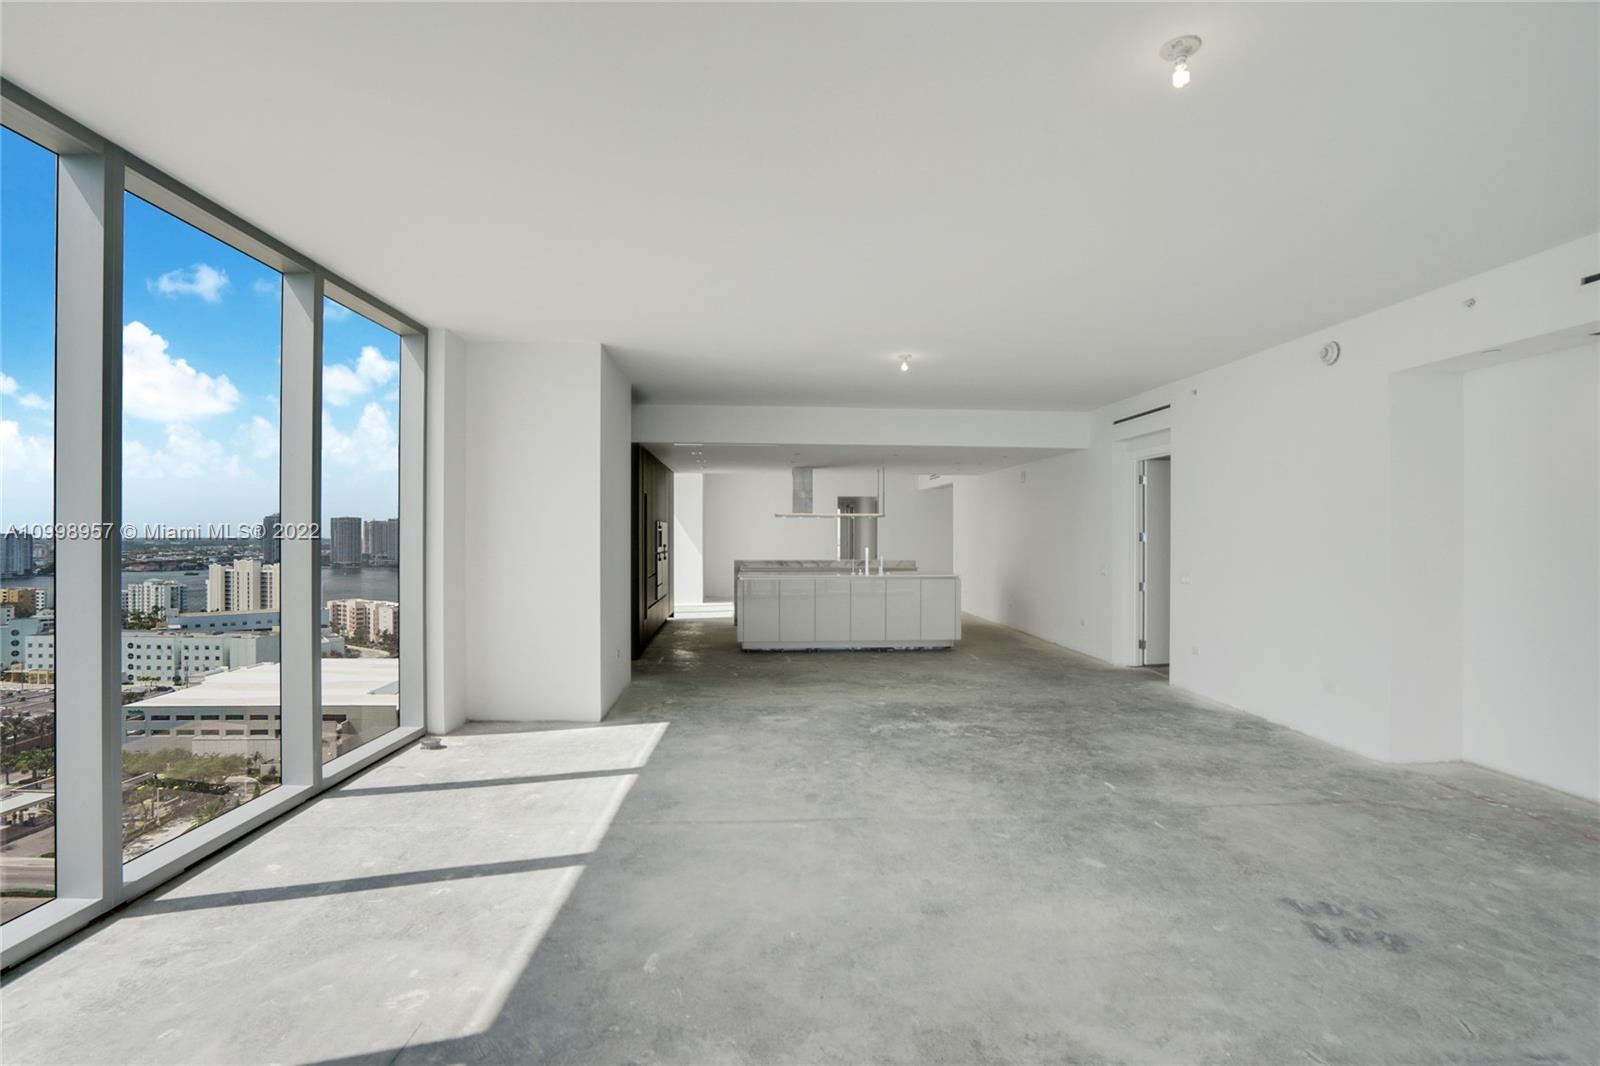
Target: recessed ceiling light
(905, 362)
(1177, 52)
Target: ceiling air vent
(1141, 414)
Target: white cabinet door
(797, 610)
(940, 608)
(760, 612)
(833, 609)
(903, 609)
(866, 608)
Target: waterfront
(338, 583)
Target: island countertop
(820, 610)
(887, 575)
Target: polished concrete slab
(1004, 852)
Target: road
(26, 873)
(29, 702)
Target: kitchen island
(820, 611)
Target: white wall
(1426, 569)
(900, 427)
(447, 631)
(1532, 592)
(1026, 525)
(1283, 555)
(615, 472)
(739, 521)
(540, 431)
(688, 539)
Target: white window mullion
(300, 426)
(413, 526)
(88, 491)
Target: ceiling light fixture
(905, 363)
(1177, 52)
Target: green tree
(36, 762)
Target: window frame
(93, 174)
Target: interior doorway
(1155, 561)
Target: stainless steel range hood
(857, 515)
(803, 499)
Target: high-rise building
(271, 530)
(345, 540)
(243, 585)
(380, 540)
(157, 596)
(16, 557)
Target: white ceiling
(759, 203)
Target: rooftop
(345, 682)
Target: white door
(1155, 561)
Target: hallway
(1001, 852)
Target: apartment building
(16, 553)
(376, 618)
(154, 596)
(245, 584)
(346, 540)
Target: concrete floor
(1001, 853)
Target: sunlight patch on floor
(401, 908)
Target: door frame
(1125, 599)
(1142, 559)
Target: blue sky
(201, 371)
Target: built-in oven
(663, 564)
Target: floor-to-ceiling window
(27, 516)
(201, 583)
(162, 502)
(361, 530)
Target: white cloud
(263, 437)
(159, 388)
(332, 312)
(186, 454)
(23, 456)
(265, 287)
(342, 383)
(374, 367)
(206, 282)
(31, 400)
(372, 445)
